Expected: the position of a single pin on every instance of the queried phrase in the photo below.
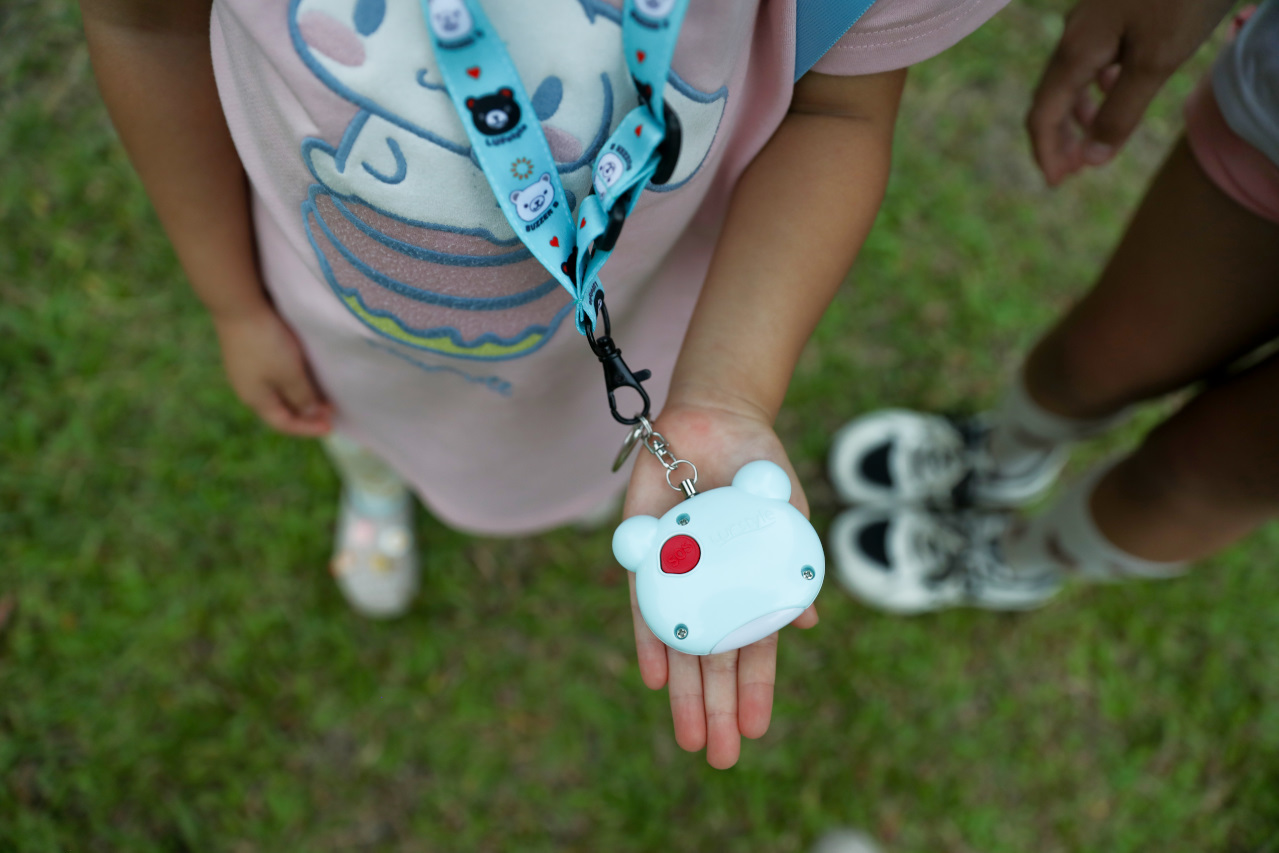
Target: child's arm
(153, 66)
(796, 222)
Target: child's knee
(1191, 467)
(1070, 374)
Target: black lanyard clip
(616, 219)
(617, 374)
(668, 149)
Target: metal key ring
(675, 465)
(632, 438)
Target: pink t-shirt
(445, 346)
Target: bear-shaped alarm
(726, 567)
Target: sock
(1025, 435)
(1067, 538)
(368, 482)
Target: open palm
(715, 699)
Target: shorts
(1232, 117)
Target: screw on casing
(681, 632)
(808, 573)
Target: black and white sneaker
(910, 561)
(896, 457)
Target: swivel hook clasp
(617, 374)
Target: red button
(680, 554)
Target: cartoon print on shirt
(608, 172)
(450, 20)
(657, 9)
(403, 223)
(494, 114)
(535, 199)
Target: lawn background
(180, 673)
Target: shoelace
(963, 548)
(939, 459)
(973, 459)
(936, 464)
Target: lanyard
(821, 23)
(508, 144)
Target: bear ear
(764, 479)
(545, 179)
(470, 103)
(515, 196)
(633, 541)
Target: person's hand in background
(1128, 49)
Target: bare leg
(366, 479)
(1204, 478)
(1193, 286)
(375, 558)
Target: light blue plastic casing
(761, 563)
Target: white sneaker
(896, 457)
(375, 558)
(910, 561)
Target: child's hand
(268, 371)
(1128, 49)
(715, 699)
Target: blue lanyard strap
(821, 23)
(508, 144)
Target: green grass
(180, 673)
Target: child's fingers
(756, 676)
(1080, 56)
(1109, 76)
(301, 395)
(650, 651)
(281, 417)
(1123, 108)
(723, 732)
(1085, 108)
(688, 702)
(808, 618)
